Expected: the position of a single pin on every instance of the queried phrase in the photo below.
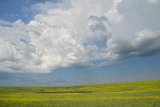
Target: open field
(131, 94)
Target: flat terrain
(131, 94)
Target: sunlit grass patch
(133, 94)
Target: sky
(75, 42)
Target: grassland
(131, 94)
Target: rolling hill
(129, 94)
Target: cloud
(84, 33)
(147, 43)
(153, 1)
(4, 23)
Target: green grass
(131, 94)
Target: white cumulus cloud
(80, 32)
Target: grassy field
(131, 94)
